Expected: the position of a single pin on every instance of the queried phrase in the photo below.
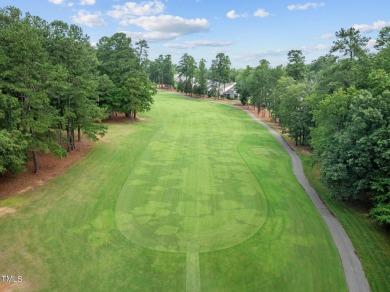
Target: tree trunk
(68, 137)
(60, 137)
(300, 138)
(71, 141)
(35, 160)
(79, 134)
(135, 114)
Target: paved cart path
(354, 274)
(353, 270)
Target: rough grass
(371, 241)
(196, 184)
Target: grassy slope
(371, 241)
(65, 236)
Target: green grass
(197, 196)
(371, 241)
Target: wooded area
(339, 104)
(53, 82)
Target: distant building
(225, 91)
(229, 91)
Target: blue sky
(246, 30)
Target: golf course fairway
(195, 197)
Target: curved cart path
(353, 270)
(354, 274)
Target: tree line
(339, 104)
(54, 84)
(193, 77)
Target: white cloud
(156, 26)
(219, 50)
(321, 47)
(262, 54)
(152, 36)
(261, 13)
(371, 43)
(327, 36)
(170, 24)
(85, 18)
(282, 52)
(232, 14)
(57, 2)
(276, 56)
(277, 52)
(71, 4)
(305, 6)
(366, 28)
(132, 9)
(199, 43)
(87, 2)
(311, 49)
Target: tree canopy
(52, 81)
(339, 106)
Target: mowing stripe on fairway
(354, 273)
(184, 194)
(186, 208)
(193, 273)
(353, 269)
(196, 196)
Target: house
(227, 90)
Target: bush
(12, 151)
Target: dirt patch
(119, 118)
(8, 287)
(5, 210)
(49, 167)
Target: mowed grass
(194, 190)
(371, 240)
